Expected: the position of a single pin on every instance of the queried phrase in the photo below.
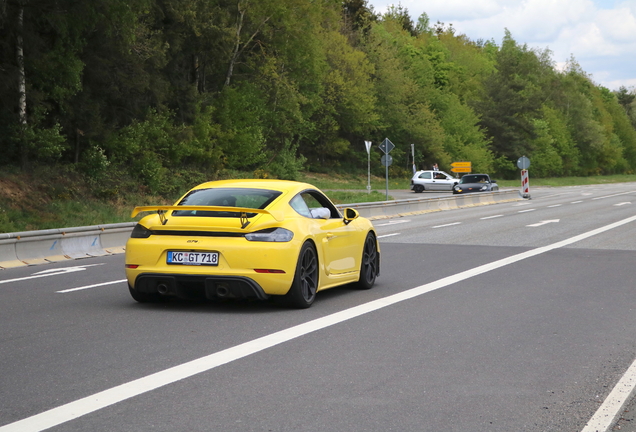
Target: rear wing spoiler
(244, 211)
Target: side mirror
(350, 214)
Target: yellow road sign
(461, 165)
(461, 169)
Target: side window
(313, 204)
(299, 204)
(425, 175)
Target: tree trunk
(22, 104)
(238, 49)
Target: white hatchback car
(433, 181)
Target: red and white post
(525, 184)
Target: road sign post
(387, 160)
(367, 144)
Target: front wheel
(302, 293)
(370, 263)
(418, 188)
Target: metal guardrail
(53, 245)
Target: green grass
(352, 197)
(334, 182)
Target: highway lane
(532, 345)
(551, 214)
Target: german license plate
(193, 258)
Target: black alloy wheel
(370, 262)
(302, 293)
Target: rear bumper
(199, 287)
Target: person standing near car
(435, 167)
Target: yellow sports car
(250, 239)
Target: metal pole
(387, 179)
(368, 172)
(367, 144)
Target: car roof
(421, 171)
(278, 185)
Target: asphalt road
(509, 317)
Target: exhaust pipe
(222, 291)
(162, 288)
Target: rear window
(226, 197)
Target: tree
(513, 97)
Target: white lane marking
(553, 195)
(90, 286)
(491, 217)
(544, 222)
(526, 211)
(113, 395)
(618, 194)
(388, 235)
(520, 204)
(555, 205)
(586, 193)
(576, 202)
(445, 225)
(394, 222)
(622, 204)
(609, 411)
(52, 272)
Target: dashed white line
(610, 196)
(394, 222)
(576, 202)
(555, 205)
(526, 211)
(90, 286)
(622, 204)
(388, 235)
(491, 217)
(445, 225)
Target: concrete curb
(39, 247)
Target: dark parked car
(475, 183)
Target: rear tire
(418, 188)
(302, 293)
(145, 297)
(370, 262)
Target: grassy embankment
(47, 199)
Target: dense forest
(163, 90)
